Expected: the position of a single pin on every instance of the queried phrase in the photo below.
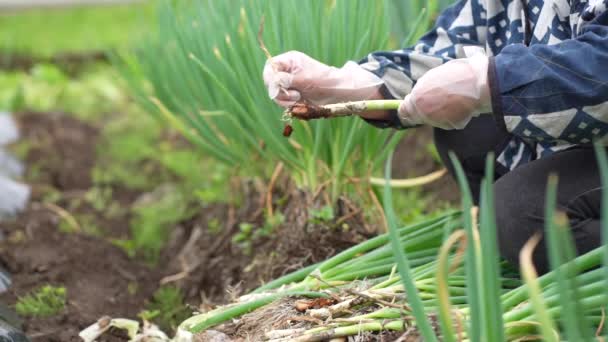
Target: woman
(526, 79)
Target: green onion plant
(202, 72)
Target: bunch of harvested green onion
(450, 285)
(369, 266)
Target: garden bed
(52, 243)
(95, 273)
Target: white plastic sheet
(13, 197)
(10, 166)
(8, 129)
(13, 194)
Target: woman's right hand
(293, 76)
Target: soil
(99, 277)
(62, 148)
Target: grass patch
(45, 302)
(47, 32)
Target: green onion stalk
(190, 70)
(520, 315)
(304, 111)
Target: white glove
(450, 95)
(294, 76)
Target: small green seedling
(325, 214)
(248, 233)
(244, 234)
(272, 222)
(45, 302)
(244, 237)
(99, 197)
(166, 308)
(214, 226)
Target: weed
(248, 232)
(138, 145)
(45, 302)
(214, 226)
(271, 223)
(166, 308)
(99, 197)
(152, 218)
(50, 195)
(86, 224)
(322, 215)
(127, 245)
(244, 234)
(132, 288)
(128, 147)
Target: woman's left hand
(450, 95)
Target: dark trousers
(520, 194)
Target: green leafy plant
(248, 232)
(271, 223)
(99, 198)
(128, 146)
(166, 308)
(204, 68)
(244, 234)
(44, 302)
(47, 88)
(214, 226)
(82, 223)
(153, 218)
(322, 215)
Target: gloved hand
(294, 76)
(450, 95)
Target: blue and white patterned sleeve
(557, 94)
(462, 24)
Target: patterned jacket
(548, 70)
